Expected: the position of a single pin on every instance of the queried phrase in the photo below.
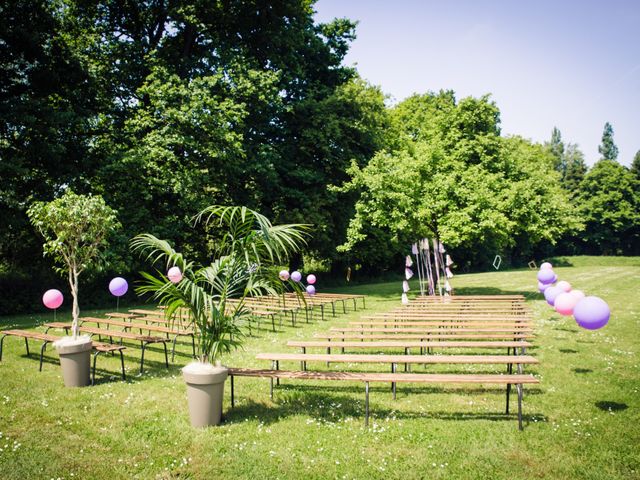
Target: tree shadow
(567, 350)
(563, 329)
(582, 370)
(608, 406)
(495, 291)
(561, 262)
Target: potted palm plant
(214, 295)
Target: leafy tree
(608, 148)
(557, 149)
(75, 229)
(635, 165)
(47, 101)
(576, 168)
(457, 180)
(610, 204)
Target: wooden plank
(410, 344)
(425, 336)
(452, 328)
(441, 323)
(430, 359)
(386, 377)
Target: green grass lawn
(582, 421)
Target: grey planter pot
(75, 361)
(205, 392)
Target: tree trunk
(75, 312)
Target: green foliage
(610, 202)
(608, 148)
(457, 180)
(576, 168)
(635, 165)
(214, 294)
(75, 229)
(557, 149)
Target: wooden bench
(144, 340)
(408, 344)
(423, 336)
(444, 327)
(98, 347)
(150, 328)
(518, 379)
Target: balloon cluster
(297, 277)
(590, 312)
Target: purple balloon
(296, 276)
(545, 265)
(311, 290)
(543, 286)
(118, 286)
(546, 276)
(591, 313)
(551, 293)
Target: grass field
(582, 421)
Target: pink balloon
(579, 294)
(564, 286)
(311, 279)
(52, 298)
(284, 275)
(565, 303)
(174, 274)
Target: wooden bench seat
(144, 340)
(437, 323)
(422, 336)
(150, 328)
(380, 344)
(45, 338)
(519, 380)
(453, 328)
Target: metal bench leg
(124, 376)
(277, 368)
(366, 404)
(26, 344)
(393, 384)
(173, 348)
(144, 345)
(273, 323)
(519, 387)
(1, 343)
(93, 371)
(42, 349)
(233, 403)
(508, 393)
(166, 357)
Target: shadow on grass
(611, 406)
(582, 370)
(568, 350)
(333, 408)
(563, 329)
(400, 389)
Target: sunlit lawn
(581, 422)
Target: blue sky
(570, 64)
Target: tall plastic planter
(75, 360)
(205, 392)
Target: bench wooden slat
(430, 359)
(110, 333)
(387, 377)
(411, 344)
(426, 336)
(430, 330)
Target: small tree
(75, 229)
(608, 148)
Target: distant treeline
(163, 108)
